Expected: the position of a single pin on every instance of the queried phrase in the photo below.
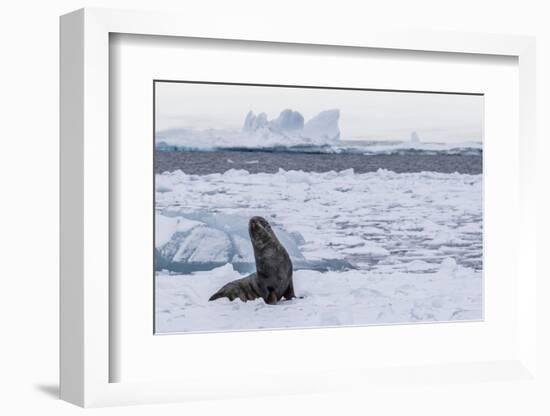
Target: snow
(368, 248)
(328, 299)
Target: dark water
(203, 163)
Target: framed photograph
(367, 210)
(309, 206)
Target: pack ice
(377, 247)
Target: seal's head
(261, 233)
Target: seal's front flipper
(271, 298)
(289, 294)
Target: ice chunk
(446, 238)
(414, 137)
(185, 225)
(448, 265)
(202, 241)
(297, 237)
(237, 226)
(323, 128)
(297, 176)
(235, 173)
(204, 245)
(244, 252)
(470, 228)
(347, 172)
(162, 184)
(369, 249)
(419, 266)
(165, 227)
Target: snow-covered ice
(370, 248)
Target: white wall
(29, 159)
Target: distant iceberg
(414, 137)
(287, 130)
(416, 146)
(290, 132)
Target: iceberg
(286, 131)
(204, 245)
(414, 137)
(198, 241)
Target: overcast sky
(363, 114)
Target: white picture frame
(85, 354)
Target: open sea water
(204, 163)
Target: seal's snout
(252, 225)
(257, 220)
(257, 223)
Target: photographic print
(305, 207)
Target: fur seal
(273, 278)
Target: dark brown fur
(273, 278)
